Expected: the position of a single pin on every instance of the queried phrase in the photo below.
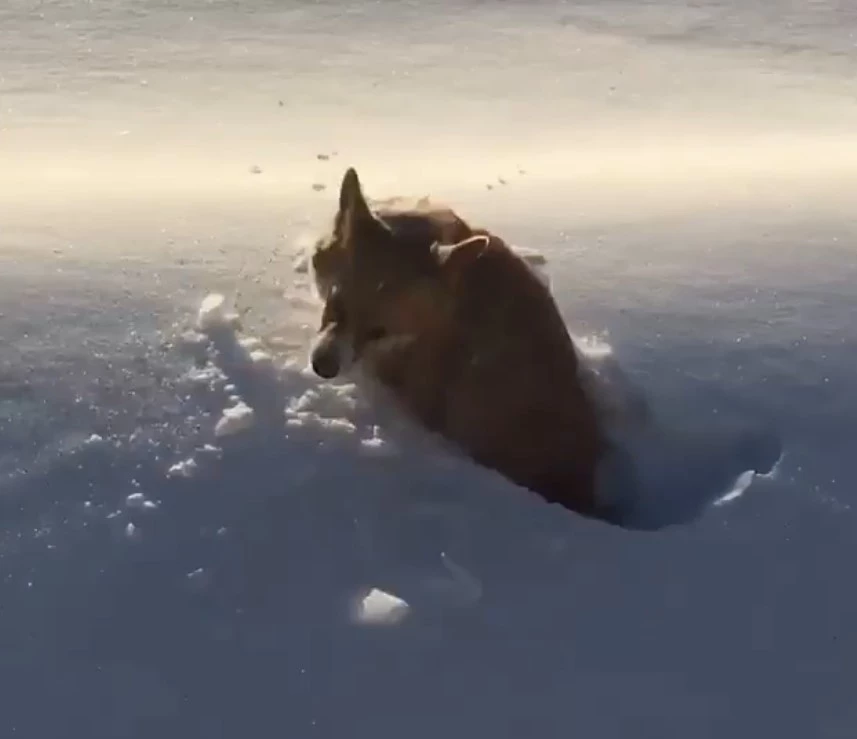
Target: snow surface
(686, 171)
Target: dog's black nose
(325, 366)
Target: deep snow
(315, 567)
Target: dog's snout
(329, 355)
(325, 365)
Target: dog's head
(380, 277)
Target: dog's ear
(457, 256)
(351, 193)
(355, 223)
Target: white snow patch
(193, 339)
(212, 313)
(235, 420)
(261, 358)
(311, 419)
(743, 481)
(379, 608)
(209, 375)
(303, 402)
(375, 445)
(135, 500)
(250, 343)
(186, 468)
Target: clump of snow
(94, 439)
(186, 468)
(199, 578)
(139, 501)
(303, 402)
(250, 343)
(234, 420)
(132, 532)
(379, 608)
(209, 375)
(193, 339)
(375, 445)
(310, 419)
(739, 487)
(261, 358)
(213, 315)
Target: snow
(682, 174)
(261, 358)
(212, 313)
(235, 420)
(185, 468)
(381, 609)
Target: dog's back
(515, 401)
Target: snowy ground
(310, 566)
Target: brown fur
(466, 337)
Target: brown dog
(466, 337)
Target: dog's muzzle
(331, 355)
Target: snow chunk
(743, 481)
(186, 468)
(212, 313)
(235, 420)
(199, 579)
(303, 402)
(138, 500)
(375, 445)
(311, 419)
(261, 358)
(250, 343)
(193, 339)
(381, 609)
(208, 375)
